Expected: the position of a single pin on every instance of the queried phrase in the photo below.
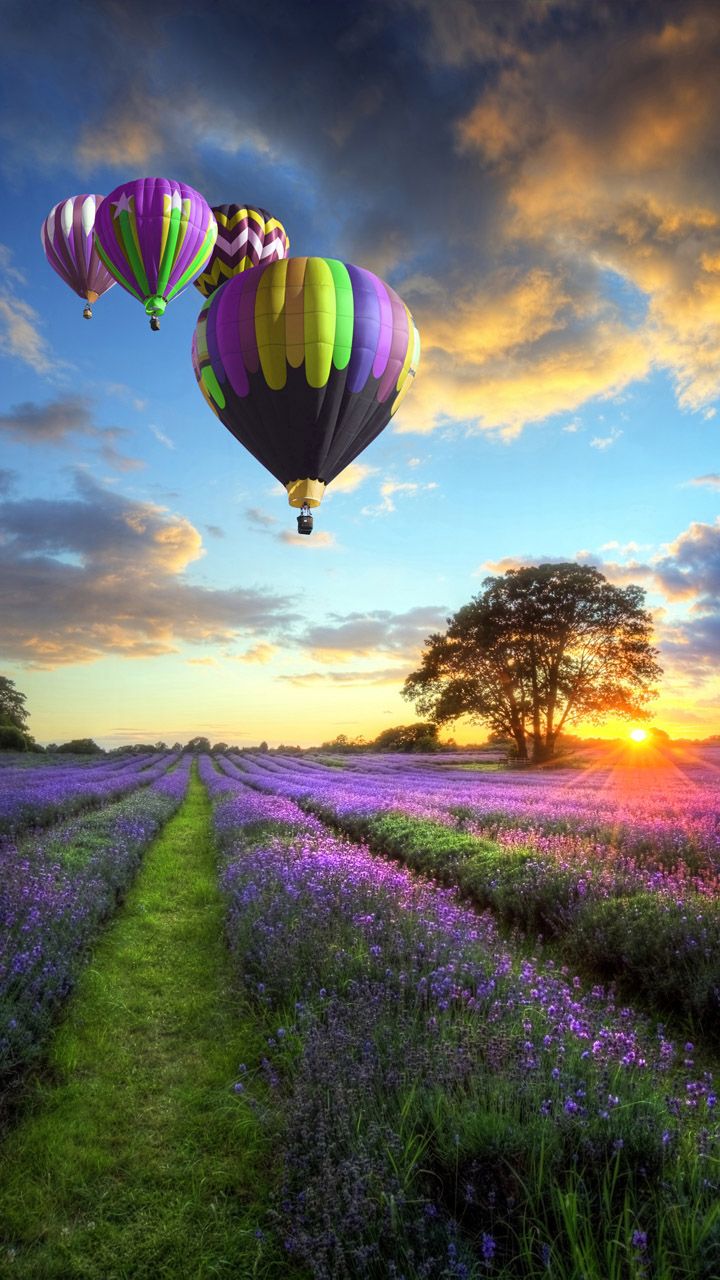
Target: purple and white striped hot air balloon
(67, 238)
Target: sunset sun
(638, 735)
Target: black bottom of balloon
(305, 524)
(154, 324)
(87, 313)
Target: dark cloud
(102, 574)
(505, 164)
(215, 531)
(692, 647)
(7, 480)
(51, 423)
(378, 631)
(259, 519)
(54, 423)
(691, 567)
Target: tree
(12, 738)
(196, 745)
(81, 747)
(12, 705)
(536, 651)
(344, 744)
(422, 736)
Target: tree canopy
(537, 650)
(12, 706)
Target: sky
(540, 182)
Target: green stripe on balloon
(213, 387)
(132, 254)
(198, 261)
(168, 257)
(320, 310)
(344, 313)
(114, 271)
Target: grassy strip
(58, 891)
(662, 951)
(136, 1158)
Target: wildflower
(488, 1247)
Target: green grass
(134, 1158)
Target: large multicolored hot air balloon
(154, 235)
(305, 360)
(67, 238)
(246, 237)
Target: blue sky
(539, 183)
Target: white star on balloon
(123, 204)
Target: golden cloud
(352, 477)
(127, 139)
(527, 385)
(608, 172)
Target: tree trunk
(542, 751)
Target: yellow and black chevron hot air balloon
(246, 237)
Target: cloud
(390, 489)
(7, 480)
(351, 478)
(354, 635)
(160, 435)
(55, 422)
(690, 566)
(569, 240)
(613, 170)
(20, 335)
(129, 138)
(258, 653)
(606, 442)
(348, 679)
(710, 481)
(215, 531)
(318, 541)
(100, 574)
(258, 519)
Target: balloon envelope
(67, 238)
(246, 237)
(154, 235)
(305, 360)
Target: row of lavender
(666, 816)
(447, 1109)
(56, 890)
(45, 793)
(655, 929)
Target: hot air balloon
(246, 237)
(154, 235)
(67, 238)
(305, 360)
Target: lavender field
(59, 884)
(484, 1002)
(477, 1109)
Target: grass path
(134, 1159)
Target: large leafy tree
(539, 649)
(12, 705)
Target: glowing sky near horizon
(541, 184)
